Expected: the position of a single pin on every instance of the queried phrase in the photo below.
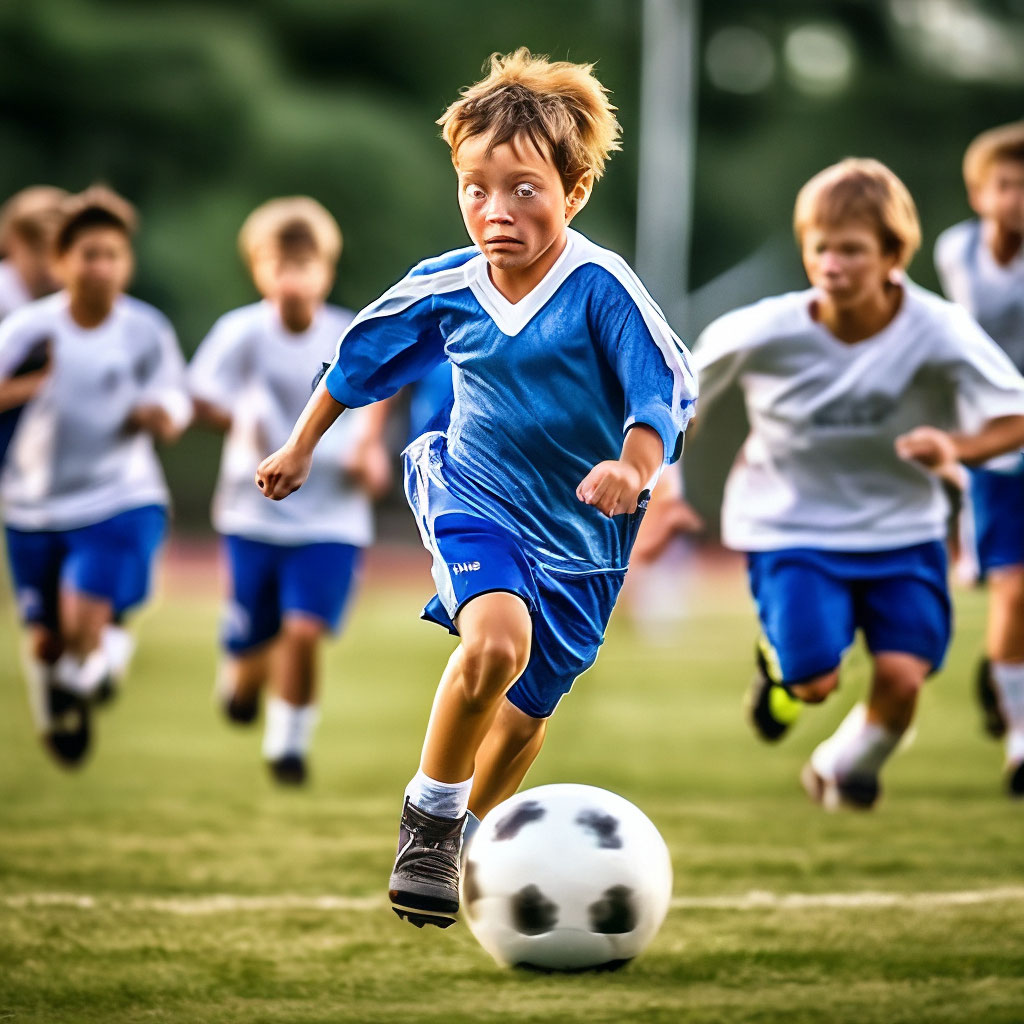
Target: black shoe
(860, 792)
(289, 770)
(988, 700)
(1015, 780)
(424, 886)
(70, 733)
(242, 711)
(771, 709)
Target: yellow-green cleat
(771, 708)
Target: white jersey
(252, 367)
(993, 294)
(818, 468)
(71, 462)
(13, 292)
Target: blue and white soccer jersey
(818, 483)
(544, 390)
(73, 472)
(994, 295)
(294, 556)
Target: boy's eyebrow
(516, 172)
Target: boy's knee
(490, 664)
(814, 691)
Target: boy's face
(847, 262)
(296, 283)
(97, 266)
(1000, 196)
(513, 202)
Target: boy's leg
(1005, 712)
(316, 581)
(496, 630)
(511, 745)
(250, 623)
(806, 615)
(903, 608)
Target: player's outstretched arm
(613, 487)
(286, 470)
(936, 449)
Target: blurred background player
(981, 264)
(570, 393)
(835, 495)
(83, 494)
(28, 221)
(291, 565)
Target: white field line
(225, 903)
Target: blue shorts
(811, 602)
(997, 504)
(111, 560)
(473, 556)
(270, 580)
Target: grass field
(171, 881)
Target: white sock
(442, 799)
(1008, 680)
(119, 646)
(37, 683)
(82, 675)
(857, 747)
(289, 728)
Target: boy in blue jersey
(981, 263)
(571, 391)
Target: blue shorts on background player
(570, 392)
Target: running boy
(28, 221)
(83, 494)
(851, 388)
(981, 264)
(571, 392)
(291, 565)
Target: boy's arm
(613, 487)
(286, 470)
(369, 463)
(938, 450)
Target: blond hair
(31, 215)
(560, 107)
(1003, 143)
(861, 190)
(96, 207)
(291, 225)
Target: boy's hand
(369, 466)
(611, 487)
(283, 472)
(666, 518)
(151, 419)
(932, 448)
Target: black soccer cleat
(859, 793)
(992, 719)
(771, 709)
(242, 711)
(70, 732)
(424, 885)
(289, 770)
(1015, 780)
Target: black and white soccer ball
(566, 877)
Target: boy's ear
(974, 198)
(578, 195)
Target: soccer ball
(564, 878)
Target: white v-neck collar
(512, 317)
